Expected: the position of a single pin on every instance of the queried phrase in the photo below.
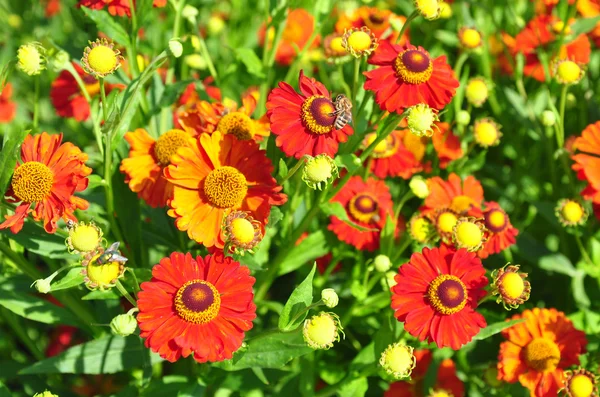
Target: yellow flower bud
(382, 263)
(321, 330)
(421, 120)
(398, 360)
(31, 58)
(330, 297)
(418, 185)
(429, 9)
(319, 171)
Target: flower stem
(355, 77)
(583, 251)
(295, 168)
(126, 294)
(208, 59)
(103, 98)
(134, 34)
(560, 137)
(36, 100)
(408, 21)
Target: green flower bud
(382, 263)
(330, 297)
(123, 325)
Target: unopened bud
(123, 325)
(175, 48)
(329, 297)
(382, 263)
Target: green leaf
(72, 279)
(309, 249)
(496, 328)
(516, 101)
(11, 149)
(578, 287)
(36, 309)
(349, 161)
(249, 58)
(35, 239)
(584, 25)
(336, 209)
(283, 169)
(4, 392)
(172, 92)
(558, 263)
(388, 236)
(356, 388)
(269, 350)
(108, 355)
(101, 295)
(299, 300)
(108, 25)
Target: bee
(70, 224)
(111, 255)
(343, 111)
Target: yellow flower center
(399, 359)
(572, 212)
(337, 46)
(486, 133)
(317, 114)
(568, 72)
(225, 187)
(419, 229)
(468, 235)
(496, 220)
(558, 27)
(440, 393)
(461, 203)
(430, 9)
(197, 302)
(581, 386)
(30, 59)
(242, 230)
(447, 294)
(319, 169)
(93, 88)
(413, 66)
(360, 41)
(321, 331)
(477, 92)
(384, 149)
(446, 222)
(84, 238)
(102, 59)
(542, 355)
(470, 38)
(364, 208)
(238, 124)
(168, 143)
(512, 285)
(103, 275)
(421, 120)
(32, 182)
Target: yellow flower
(420, 228)
(242, 232)
(101, 270)
(398, 360)
(319, 171)
(421, 120)
(83, 237)
(31, 58)
(418, 185)
(321, 330)
(469, 38)
(477, 91)
(571, 213)
(486, 132)
(101, 58)
(580, 383)
(510, 286)
(469, 233)
(567, 72)
(359, 42)
(429, 9)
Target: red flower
(368, 204)
(587, 162)
(436, 296)
(500, 232)
(398, 155)
(407, 76)
(115, 7)
(196, 306)
(52, 7)
(60, 340)
(446, 145)
(304, 121)
(8, 108)
(456, 194)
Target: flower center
(419, 229)
(243, 230)
(413, 66)
(569, 71)
(468, 235)
(384, 149)
(581, 386)
(364, 208)
(447, 294)
(374, 21)
(512, 285)
(337, 46)
(321, 330)
(32, 182)
(102, 59)
(471, 38)
(496, 221)
(440, 393)
(197, 301)
(168, 143)
(105, 274)
(317, 114)
(572, 211)
(542, 354)
(85, 238)
(446, 221)
(487, 133)
(461, 203)
(319, 169)
(238, 124)
(225, 187)
(359, 41)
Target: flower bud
(330, 297)
(477, 91)
(101, 58)
(548, 118)
(321, 330)
(242, 232)
(487, 132)
(31, 58)
(580, 382)
(421, 120)
(390, 279)
(83, 237)
(123, 325)
(196, 61)
(419, 187)
(469, 38)
(463, 117)
(510, 286)
(445, 10)
(567, 72)
(469, 233)
(175, 47)
(60, 60)
(45, 394)
(359, 42)
(382, 263)
(571, 213)
(190, 13)
(398, 360)
(43, 285)
(319, 171)
(429, 9)
(215, 25)
(14, 21)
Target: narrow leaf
(249, 58)
(336, 209)
(108, 25)
(36, 309)
(496, 328)
(309, 249)
(72, 279)
(11, 148)
(299, 300)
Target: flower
(200, 306)
(436, 295)
(487, 132)
(444, 220)
(48, 174)
(215, 176)
(567, 72)
(42, 285)
(455, 193)
(83, 237)
(463, 117)
(298, 29)
(123, 325)
(45, 393)
(321, 330)
(420, 228)
(100, 273)
(304, 122)
(320, 170)
(101, 58)
(61, 338)
(382, 263)
(398, 360)
(8, 108)
(469, 38)
(147, 160)
(115, 7)
(31, 58)
(537, 351)
(421, 120)
(368, 204)
(330, 297)
(407, 76)
(445, 381)
(418, 187)
(580, 383)
(359, 42)
(429, 9)
(500, 233)
(477, 91)
(510, 286)
(242, 233)
(446, 144)
(571, 213)
(384, 24)
(334, 49)
(469, 233)
(399, 155)
(548, 118)
(587, 162)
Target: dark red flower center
(364, 208)
(197, 301)
(413, 66)
(317, 114)
(375, 19)
(496, 220)
(447, 294)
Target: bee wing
(114, 246)
(118, 258)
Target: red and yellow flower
(376, 19)
(446, 144)
(587, 162)
(304, 122)
(457, 194)
(115, 7)
(8, 108)
(538, 351)
(216, 175)
(368, 204)
(399, 155)
(437, 293)
(500, 233)
(200, 307)
(47, 175)
(407, 76)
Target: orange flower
(8, 108)
(392, 157)
(298, 29)
(590, 9)
(216, 175)
(456, 194)
(147, 159)
(52, 7)
(538, 351)
(377, 20)
(115, 7)
(48, 174)
(446, 144)
(587, 162)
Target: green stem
(560, 138)
(208, 59)
(291, 172)
(345, 85)
(583, 251)
(134, 35)
(268, 60)
(460, 63)
(13, 322)
(103, 99)
(21, 263)
(408, 20)
(126, 294)
(355, 78)
(36, 100)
